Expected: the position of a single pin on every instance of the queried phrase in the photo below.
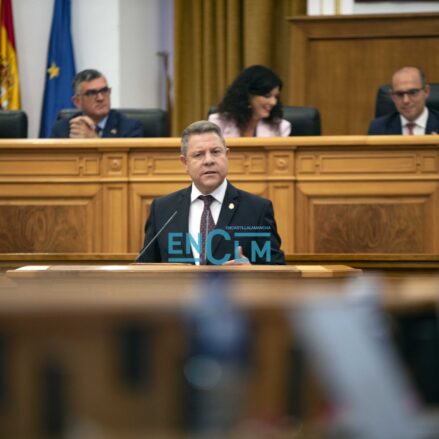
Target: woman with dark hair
(251, 106)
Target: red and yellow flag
(9, 82)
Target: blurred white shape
(348, 342)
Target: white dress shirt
(420, 124)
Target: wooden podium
(64, 322)
(138, 287)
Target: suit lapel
(432, 123)
(111, 127)
(229, 206)
(182, 206)
(394, 126)
(228, 210)
(181, 220)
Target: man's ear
(427, 90)
(76, 101)
(183, 160)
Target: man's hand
(82, 127)
(242, 260)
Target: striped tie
(207, 224)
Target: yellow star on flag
(53, 71)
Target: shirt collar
(218, 194)
(420, 121)
(101, 124)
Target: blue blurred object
(219, 358)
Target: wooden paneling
(367, 200)
(367, 217)
(43, 228)
(337, 63)
(343, 194)
(50, 217)
(370, 228)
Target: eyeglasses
(105, 91)
(410, 93)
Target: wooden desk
(340, 194)
(139, 287)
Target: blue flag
(60, 69)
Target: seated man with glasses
(95, 118)
(409, 92)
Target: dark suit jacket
(118, 125)
(391, 124)
(240, 212)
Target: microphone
(143, 251)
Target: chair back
(154, 121)
(13, 124)
(384, 104)
(305, 121)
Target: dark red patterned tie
(207, 224)
(410, 126)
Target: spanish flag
(10, 84)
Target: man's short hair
(420, 73)
(199, 127)
(85, 76)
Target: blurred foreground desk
(137, 287)
(63, 364)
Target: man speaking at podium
(211, 221)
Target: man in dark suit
(211, 221)
(95, 118)
(409, 91)
(417, 333)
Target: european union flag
(60, 67)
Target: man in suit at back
(92, 96)
(211, 221)
(409, 92)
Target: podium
(62, 325)
(139, 287)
